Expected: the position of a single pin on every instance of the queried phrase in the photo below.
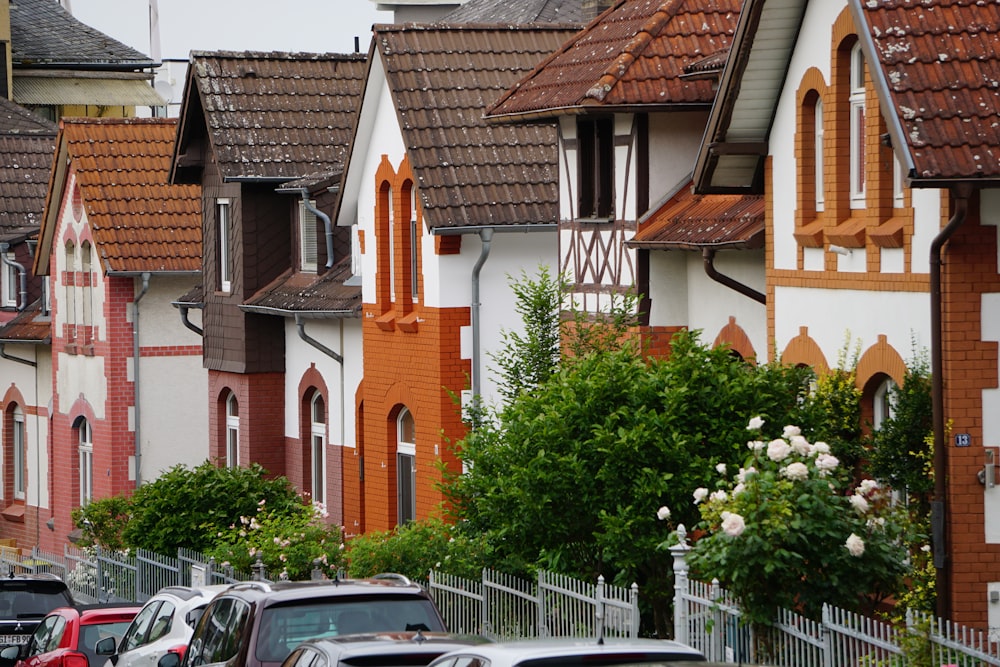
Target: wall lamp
(987, 474)
(840, 250)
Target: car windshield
(20, 602)
(284, 627)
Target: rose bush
(788, 531)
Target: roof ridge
(278, 55)
(649, 31)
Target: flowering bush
(288, 543)
(786, 531)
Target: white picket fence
(708, 618)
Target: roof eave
(341, 313)
(475, 229)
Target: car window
(220, 633)
(161, 624)
(471, 661)
(135, 636)
(306, 657)
(95, 632)
(40, 637)
(19, 602)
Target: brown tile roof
(687, 221)
(940, 61)
(27, 143)
(633, 54)
(522, 11)
(275, 116)
(310, 295)
(30, 325)
(471, 173)
(139, 222)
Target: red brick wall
(262, 417)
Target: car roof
(122, 613)
(191, 592)
(391, 643)
(282, 591)
(533, 649)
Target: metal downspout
(22, 276)
(486, 236)
(315, 343)
(939, 533)
(327, 225)
(708, 259)
(135, 375)
(4, 355)
(187, 322)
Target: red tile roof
(633, 54)
(940, 62)
(30, 325)
(469, 172)
(139, 222)
(688, 221)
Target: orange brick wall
(970, 365)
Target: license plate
(7, 640)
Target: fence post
(258, 569)
(827, 640)
(542, 627)
(599, 606)
(484, 608)
(634, 601)
(100, 574)
(679, 552)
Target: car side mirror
(105, 646)
(169, 660)
(11, 653)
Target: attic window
(307, 238)
(595, 160)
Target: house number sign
(962, 440)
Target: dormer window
(9, 282)
(596, 167)
(222, 219)
(307, 238)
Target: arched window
(818, 172)
(317, 408)
(232, 431)
(391, 243)
(18, 447)
(406, 469)
(86, 290)
(69, 304)
(882, 406)
(85, 449)
(857, 145)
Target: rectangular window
(595, 159)
(857, 101)
(86, 451)
(413, 259)
(818, 152)
(225, 270)
(897, 184)
(307, 238)
(406, 487)
(19, 458)
(10, 282)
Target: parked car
(25, 599)
(571, 652)
(163, 625)
(68, 636)
(383, 649)
(254, 624)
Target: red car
(67, 636)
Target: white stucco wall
(173, 390)
(674, 140)
(35, 386)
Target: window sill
(889, 234)
(851, 233)
(409, 323)
(386, 322)
(810, 235)
(14, 512)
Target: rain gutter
(135, 374)
(939, 533)
(708, 259)
(4, 355)
(327, 225)
(486, 236)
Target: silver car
(573, 653)
(163, 625)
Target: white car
(163, 625)
(574, 653)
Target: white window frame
(308, 251)
(406, 464)
(857, 142)
(9, 283)
(20, 455)
(86, 455)
(413, 246)
(232, 431)
(317, 430)
(391, 242)
(882, 404)
(898, 188)
(818, 155)
(222, 215)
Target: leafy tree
(185, 507)
(900, 451)
(414, 549)
(290, 543)
(782, 532)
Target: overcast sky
(238, 25)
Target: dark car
(382, 649)
(257, 625)
(67, 636)
(25, 599)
